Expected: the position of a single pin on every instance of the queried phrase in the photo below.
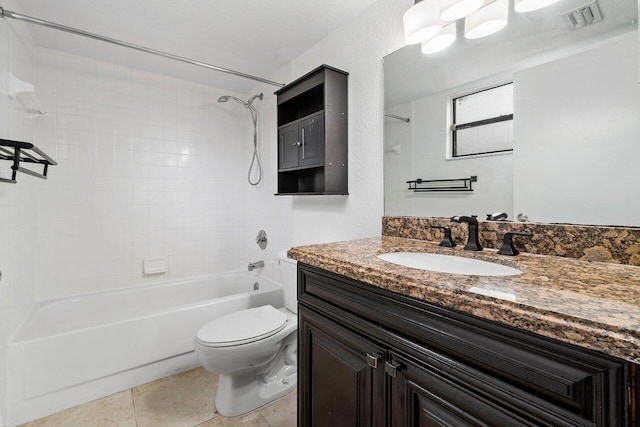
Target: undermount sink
(449, 264)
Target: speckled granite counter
(590, 304)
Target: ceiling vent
(584, 15)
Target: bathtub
(72, 350)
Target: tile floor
(181, 400)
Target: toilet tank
(289, 277)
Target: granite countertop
(590, 304)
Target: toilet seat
(242, 327)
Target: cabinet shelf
(301, 119)
(312, 193)
(312, 134)
(301, 168)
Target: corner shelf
(312, 134)
(24, 152)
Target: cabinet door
(288, 144)
(340, 374)
(312, 141)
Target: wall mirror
(575, 128)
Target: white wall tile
(17, 202)
(130, 184)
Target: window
(483, 122)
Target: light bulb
(441, 41)
(451, 10)
(421, 21)
(487, 20)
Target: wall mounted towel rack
(24, 152)
(431, 185)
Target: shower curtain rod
(20, 17)
(393, 116)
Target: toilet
(254, 351)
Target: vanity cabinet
(370, 357)
(312, 134)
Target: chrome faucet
(473, 243)
(253, 265)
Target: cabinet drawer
(441, 391)
(586, 383)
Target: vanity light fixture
(441, 41)
(487, 20)
(523, 6)
(421, 21)
(433, 22)
(452, 10)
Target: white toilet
(254, 351)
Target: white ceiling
(529, 38)
(256, 37)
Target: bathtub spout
(253, 265)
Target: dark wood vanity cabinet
(312, 134)
(370, 357)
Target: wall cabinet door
(288, 143)
(341, 379)
(311, 136)
(302, 144)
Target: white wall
(357, 48)
(17, 218)
(398, 160)
(576, 157)
(149, 166)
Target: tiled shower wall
(17, 215)
(149, 166)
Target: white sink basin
(449, 264)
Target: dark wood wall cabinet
(312, 134)
(370, 357)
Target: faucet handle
(447, 241)
(497, 216)
(507, 243)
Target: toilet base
(244, 392)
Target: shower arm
(4, 13)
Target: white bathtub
(72, 350)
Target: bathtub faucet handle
(253, 265)
(261, 239)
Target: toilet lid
(242, 327)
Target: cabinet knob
(297, 144)
(372, 360)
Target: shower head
(255, 160)
(254, 97)
(248, 104)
